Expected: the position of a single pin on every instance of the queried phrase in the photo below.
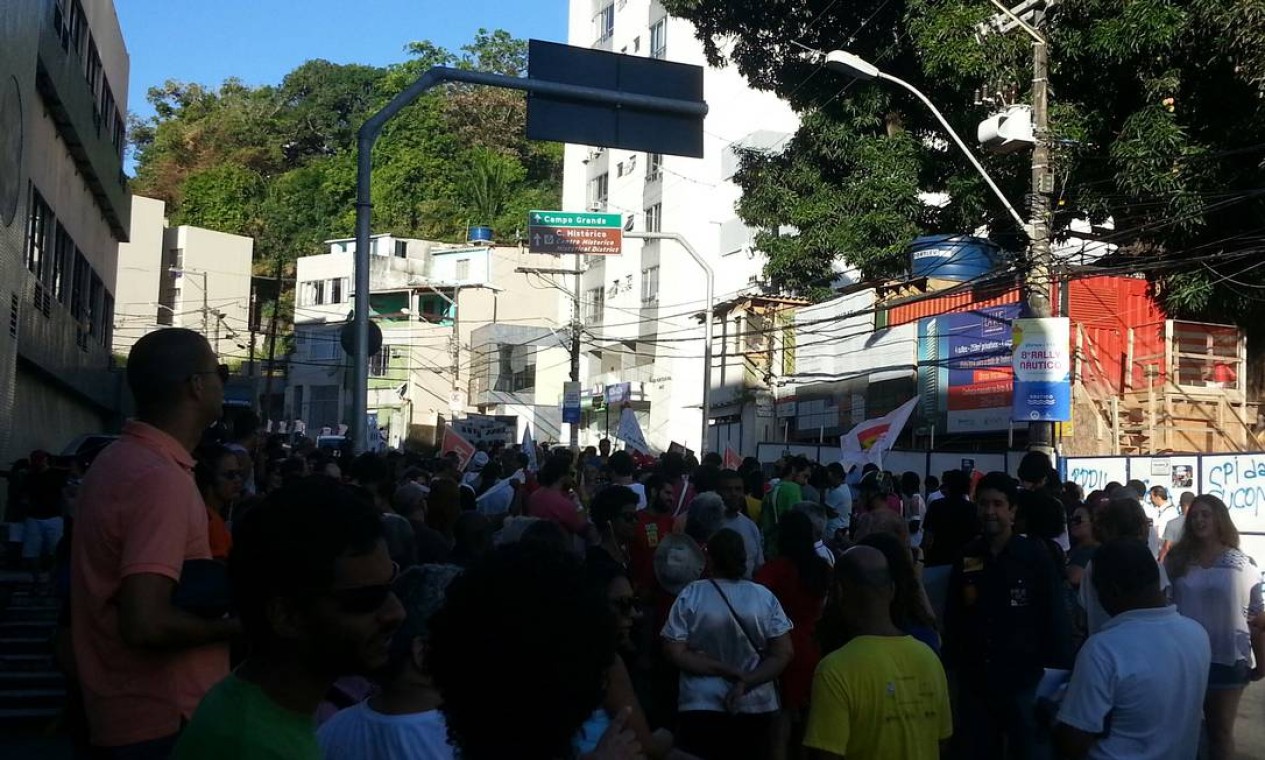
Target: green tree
(1156, 113)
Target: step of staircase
(24, 698)
(26, 645)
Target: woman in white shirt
(729, 638)
(1219, 586)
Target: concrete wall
(139, 274)
(54, 385)
(226, 261)
(696, 200)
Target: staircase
(1170, 420)
(32, 689)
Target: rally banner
(529, 447)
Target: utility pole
(456, 341)
(1037, 282)
(253, 318)
(266, 407)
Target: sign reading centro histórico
(588, 234)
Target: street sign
(589, 234)
(571, 402)
(1043, 364)
(630, 127)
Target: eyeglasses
(220, 370)
(363, 600)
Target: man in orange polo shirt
(144, 664)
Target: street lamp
(850, 65)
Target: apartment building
(428, 299)
(64, 209)
(642, 310)
(183, 277)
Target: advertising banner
(965, 377)
(1043, 370)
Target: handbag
(760, 651)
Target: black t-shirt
(951, 523)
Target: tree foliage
(1156, 113)
(278, 163)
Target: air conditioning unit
(1008, 132)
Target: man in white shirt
(732, 491)
(817, 514)
(1120, 703)
(838, 498)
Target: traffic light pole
(367, 136)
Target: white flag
(529, 448)
(867, 442)
(630, 432)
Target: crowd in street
(228, 595)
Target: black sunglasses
(220, 370)
(363, 600)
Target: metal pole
(707, 322)
(456, 340)
(576, 326)
(368, 135)
(206, 312)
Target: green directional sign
(585, 233)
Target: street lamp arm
(1019, 220)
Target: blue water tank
(952, 257)
(479, 235)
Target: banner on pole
(733, 460)
(630, 432)
(454, 442)
(529, 447)
(1043, 369)
(866, 443)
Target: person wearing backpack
(788, 492)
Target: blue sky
(259, 41)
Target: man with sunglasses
(311, 578)
(143, 662)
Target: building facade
(641, 309)
(428, 299)
(64, 209)
(183, 277)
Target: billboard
(1043, 370)
(965, 379)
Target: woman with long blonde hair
(1219, 586)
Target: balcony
(70, 102)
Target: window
(338, 292)
(92, 318)
(380, 363)
(516, 368)
(323, 344)
(637, 44)
(659, 38)
(650, 285)
(79, 287)
(39, 223)
(463, 270)
(599, 192)
(654, 166)
(654, 218)
(401, 249)
(63, 261)
(178, 254)
(312, 293)
(107, 321)
(604, 23)
(596, 305)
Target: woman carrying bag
(730, 639)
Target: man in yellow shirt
(882, 695)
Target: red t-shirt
(651, 529)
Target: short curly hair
(520, 652)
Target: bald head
(865, 568)
(174, 370)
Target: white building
(183, 277)
(429, 299)
(641, 309)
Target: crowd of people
(238, 598)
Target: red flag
(454, 442)
(732, 459)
